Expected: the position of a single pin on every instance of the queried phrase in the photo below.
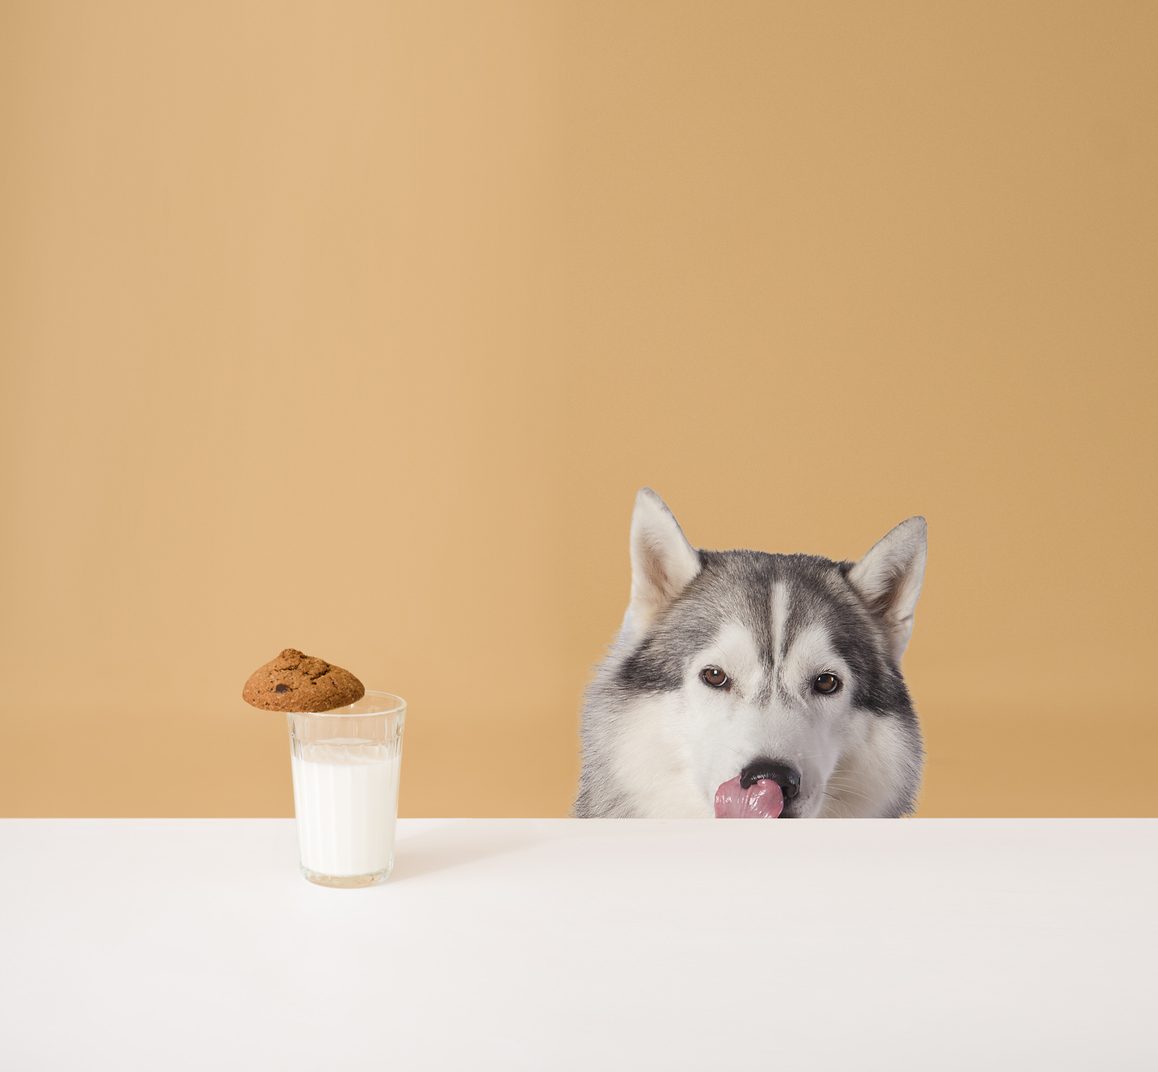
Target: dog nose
(784, 775)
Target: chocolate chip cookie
(297, 682)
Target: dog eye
(826, 684)
(714, 676)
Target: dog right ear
(663, 563)
(889, 578)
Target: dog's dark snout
(785, 776)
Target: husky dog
(744, 684)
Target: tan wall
(355, 326)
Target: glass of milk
(345, 769)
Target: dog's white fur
(662, 750)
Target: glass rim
(384, 703)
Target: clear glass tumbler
(346, 764)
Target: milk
(346, 800)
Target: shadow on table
(445, 848)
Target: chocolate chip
(281, 688)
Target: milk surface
(346, 799)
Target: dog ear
(663, 563)
(889, 578)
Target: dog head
(769, 683)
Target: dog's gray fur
(657, 740)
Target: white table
(559, 944)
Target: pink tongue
(761, 800)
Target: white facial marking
(877, 765)
(734, 651)
(651, 764)
(779, 616)
(811, 653)
(728, 729)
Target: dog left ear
(663, 563)
(889, 578)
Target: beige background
(355, 326)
